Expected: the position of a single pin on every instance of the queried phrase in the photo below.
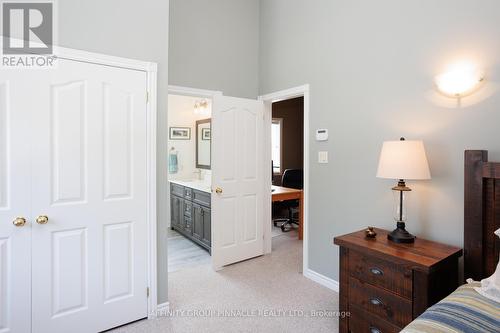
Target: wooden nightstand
(385, 285)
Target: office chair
(292, 178)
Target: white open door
(237, 198)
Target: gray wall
(131, 29)
(215, 45)
(370, 66)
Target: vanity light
(201, 108)
(460, 80)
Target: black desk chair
(292, 178)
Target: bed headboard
(481, 215)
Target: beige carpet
(266, 294)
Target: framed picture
(206, 133)
(180, 133)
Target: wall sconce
(460, 80)
(201, 108)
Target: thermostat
(321, 134)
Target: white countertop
(199, 185)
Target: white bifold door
(73, 198)
(237, 183)
(15, 201)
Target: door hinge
(147, 291)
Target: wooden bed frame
(481, 215)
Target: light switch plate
(323, 157)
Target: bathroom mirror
(203, 143)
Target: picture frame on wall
(180, 133)
(206, 134)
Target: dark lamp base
(400, 235)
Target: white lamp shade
(403, 160)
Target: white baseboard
(322, 280)
(161, 310)
(163, 306)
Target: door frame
(269, 99)
(182, 91)
(193, 92)
(151, 70)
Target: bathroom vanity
(190, 200)
(190, 211)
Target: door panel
(4, 146)
(237, 211)
(197, 221)
(118, 106)
(89, 178)
(227, 211)
(15, 242)
(250, 210)
(69, 271)
(5, 275)
(175, 211)
(249, 143)
(118, 261)
(207, 230)
(67, 142)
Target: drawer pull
(374, 330)
(376, 301)
(376, 271)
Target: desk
(280, 193)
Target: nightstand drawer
(381, 273)
(384, 304)
(368, 323)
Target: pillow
(490, 287)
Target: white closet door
(89, 180)
(237, 215)
(15, 193)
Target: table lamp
(402, 160)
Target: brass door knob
(218, 190)
(42, 219)
(19, 222)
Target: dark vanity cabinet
(190, 214)
(176, 211)
(201, 224)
